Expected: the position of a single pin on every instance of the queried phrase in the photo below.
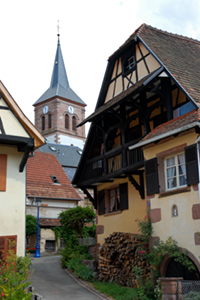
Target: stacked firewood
(118, 256)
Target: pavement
(51, 282)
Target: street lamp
(38, 203)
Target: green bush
(192, 295)
(81, 270)
(14, 277)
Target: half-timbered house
(18, 139)
(142, 148)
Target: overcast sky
(90, 31)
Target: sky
(90, 31)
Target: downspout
(198, 159)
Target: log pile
(118, 257)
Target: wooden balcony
(111, 164)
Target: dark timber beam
(139, 188)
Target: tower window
(49, 121)
(43, 122)
(67, 121)
(74, 123)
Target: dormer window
(55, 179)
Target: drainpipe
(198, 159)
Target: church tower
(59, 109)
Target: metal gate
(188, 289)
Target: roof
(59, 85)
(174, 126)
(30, 128)
(178, 54)
(68, 156)
(40, 167)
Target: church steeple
(59, 75)
(59, 85)
(60, 109)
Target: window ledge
(113, 213)
(176, 191)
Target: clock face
(71, 109)
(45, 109)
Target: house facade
(18, 139)
(141, 152)
(47, 180)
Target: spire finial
(58, 28)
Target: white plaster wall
(66, 140)
(46, 211)
(12, 201)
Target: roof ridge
(175, 35)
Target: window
(54, 179)
(43, 122)
(172, 169)
(114, 199)
(74, 123)
(66, 121)
(49, 121)
(7, 243)
(129, 63)
(174, 211)
(175, 172)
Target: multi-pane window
(130, 63)
(114, 198)
(175, 172)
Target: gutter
(165, 135)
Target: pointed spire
(59, 85)
(59, 75)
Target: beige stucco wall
(12, 201)
(182, 227)
(123, 221)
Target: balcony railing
(111, 162)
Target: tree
(31, 225)
(74, 219)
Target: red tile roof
(40, 167)
(175, 124)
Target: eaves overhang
(123, 95)
(23, 144)
(165, 135)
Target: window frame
(177, 176)
(117, 194)
(104, 200)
